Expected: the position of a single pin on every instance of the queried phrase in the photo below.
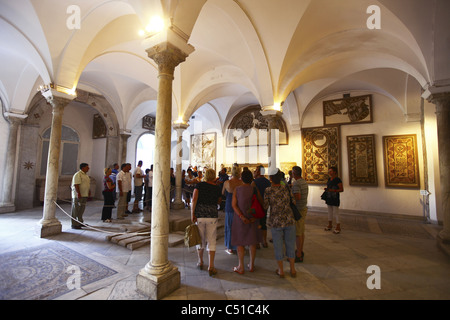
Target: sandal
(279, 274)
(236, 269)
(212, 272)
(336, 231)
(251, 269)
(200, 266)
(328, 228)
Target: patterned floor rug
(46, 272)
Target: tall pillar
(49, 224)
(160, 277)
(178, 202)
(442, 102)
(272, 115)
(7, 203)
(123, 145)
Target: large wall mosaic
(250, 128)
(400, 161)
(362, 164)
(320, 152)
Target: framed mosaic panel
(362, 166)
(203, 150)
(401, 167)
(321, 151)
(250, 128)
(349, 110)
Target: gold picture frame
(362, 164)
(321, 150)
(401, 166)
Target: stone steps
(134, 236)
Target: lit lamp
(155, 25)
(46, 91)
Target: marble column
(7, 203)
(49, 224)
(442, 102)
(160, 277)
(178, 202)
(272, 116)
(123, 145)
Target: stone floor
(335, 267)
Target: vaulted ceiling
(246, 52)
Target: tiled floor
(335, 267)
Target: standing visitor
(262, 183)
(244, 231)
(189, 184)
(124, 186)
(281, 222)
(300, 192)
(207, 195)
(109, 188)
(81, 185)
(138, 176)
(333, 189)
(228, 189)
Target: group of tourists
(242, 230)
(204, 195)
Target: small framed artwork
(203, 150)
(320, 152)
(362, 165)
(349, 110)
(401, 166)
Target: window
(69, 151)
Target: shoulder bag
(297, 215)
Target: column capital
(15, 118)
(167, 57)
(180, 126)
(57, 97)
(442, 97)
(270, 112)
(168, 49)
(435, 94)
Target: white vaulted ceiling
(246, 52)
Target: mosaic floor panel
(46, 272)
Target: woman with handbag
(244, 230)
(205, 198)
(108, 195)
(281, 222)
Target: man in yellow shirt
(81, 185)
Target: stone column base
(443, 242)
(178, 205)
(49, 229)
(7, 208)
(157, 287)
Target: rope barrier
(103, 231)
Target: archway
(145, 149)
